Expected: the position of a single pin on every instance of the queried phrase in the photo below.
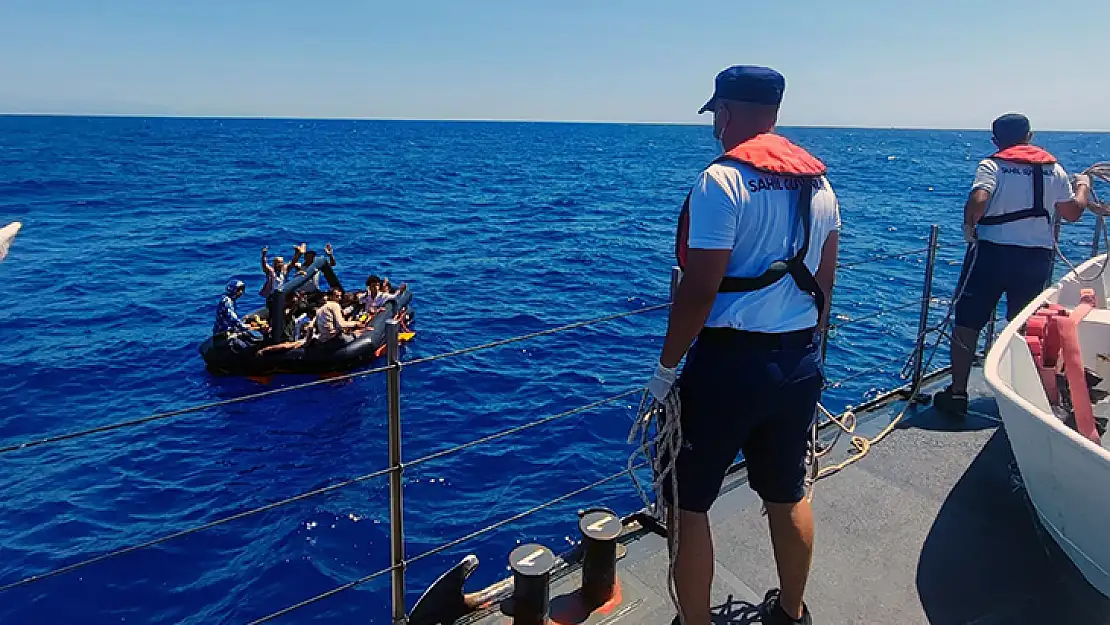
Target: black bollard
(600, 528)
(531, 565)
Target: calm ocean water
(132, 226)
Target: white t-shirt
(752, 213)
(329, 322)
(1011, 188)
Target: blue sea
(132, 226)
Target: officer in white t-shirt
(1008, 223)
(757, 241)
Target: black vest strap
(795, 267)
(1038, 210)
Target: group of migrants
(313, 317)
(749, 317)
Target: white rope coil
(666, 416)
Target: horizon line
(502, 121)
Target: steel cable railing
(862, 373)
(184, 411)
(880, 258)
(314, 493)
(532, 335)
(874, 315)
(330, 380)
(449, 545)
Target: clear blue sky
(941, 63)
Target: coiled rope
(666, 417)
(1098, 171)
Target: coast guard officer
(1008, 222)
(757, 241)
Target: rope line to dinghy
(1099, 171)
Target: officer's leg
(964, 342)
(1032, 270)
(792, 540)
(983, 289)
(694, 558)
(710, 444)
(776, 457)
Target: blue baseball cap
(233, 286)
(747, 83)
(1011, 129)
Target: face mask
(719, 128)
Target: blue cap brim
(708, 105)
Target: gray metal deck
(931, 527)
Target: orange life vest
(1024, 154)
(776, 155)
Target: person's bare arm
(266, 269)
(1072, 210)
(343, 323)
(826, 276)
(975, 207)
(704, 271)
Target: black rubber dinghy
(240, 357)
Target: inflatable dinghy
(228, 357)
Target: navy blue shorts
(749, 392)
(1020, 273)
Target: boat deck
(931, 527)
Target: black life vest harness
(1025, 155)
(775, 155)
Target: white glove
(1081, 180)
(660, 384)
(969, 233)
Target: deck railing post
(1056, 222)
(396, 502)
(1100, 223)
(988, 340)
(926, 302)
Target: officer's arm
(826, 275)
(702, 277)
(976, 206)
(1071, 210)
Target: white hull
(7, 234)
(1066, 475)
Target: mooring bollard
(600, 528)
(531, 565)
